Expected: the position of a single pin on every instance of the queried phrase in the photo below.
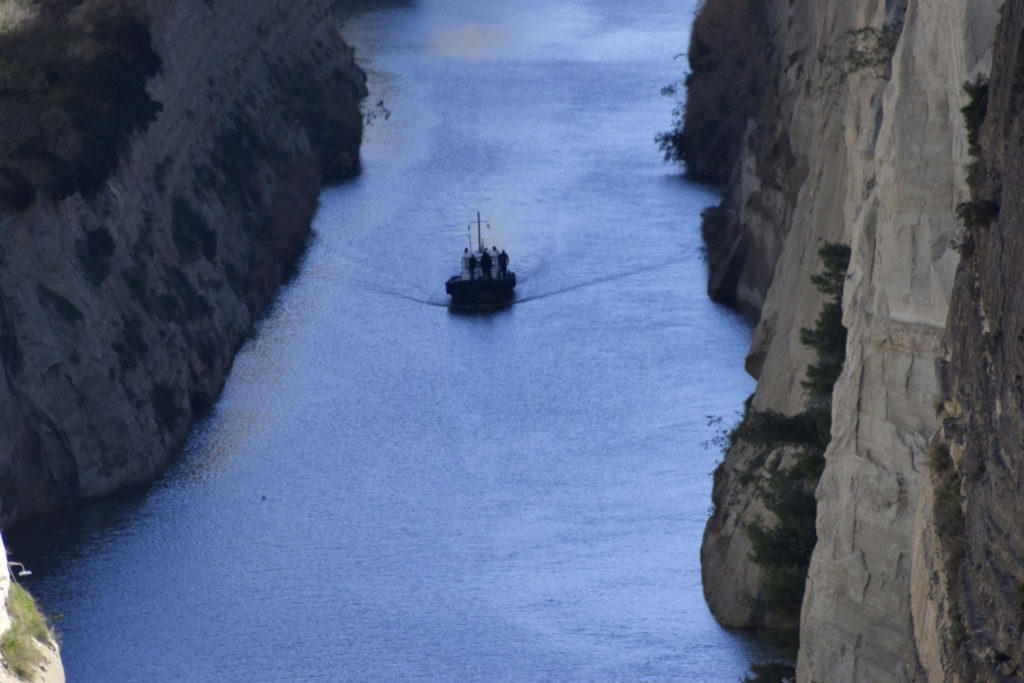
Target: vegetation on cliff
(866, 49)
(975, 214)
(72, 89)
(783, 548)
(728, 63)
(974, 461)
(21, 645)
(980, 210)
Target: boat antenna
(479, 241)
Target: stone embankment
(859, 138)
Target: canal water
(387, 490)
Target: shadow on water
(353, 8)
(47, 543)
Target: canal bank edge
(120, 313)
(859, 138)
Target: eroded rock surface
(120, 314)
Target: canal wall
(121, 307)
(859, 138)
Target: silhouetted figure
(502, 264)
(494, 262)
(485, 264)
(472, 266)
(467, 270)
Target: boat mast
(479, 242)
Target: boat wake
(600, 280)
(442, 302)
(377, 289)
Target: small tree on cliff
(784, 550)
(828, 336)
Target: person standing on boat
(502, 264)
(485, 264)
(494, 263)
(472, 266)
(467, 270)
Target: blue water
(387, 490)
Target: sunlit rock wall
(867, 128)
(858, 609)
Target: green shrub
(810, 464)
(964, 244)
(784, 551)
(939, 459)
(977, 213)
(947, 506)
(769, 429)
(713, 220)
(671, 143)
(949, 519)
(974, 111)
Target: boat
(472, 289)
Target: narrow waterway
(387, 490)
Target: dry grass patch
(22, 645)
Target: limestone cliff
(120, 312)
(859, 140)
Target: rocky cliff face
(862, 141)
(980, 633)
(120, 313)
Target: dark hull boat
(481, 294)
(484, 281)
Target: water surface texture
(387, 490)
